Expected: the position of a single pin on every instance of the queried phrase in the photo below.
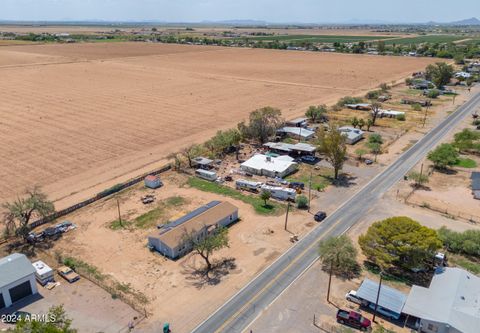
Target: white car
(352, 297)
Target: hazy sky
(311, 11)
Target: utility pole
(310, 191)
(329, 280)
(421, 175)
(378, 296)
(119, 215)
(426, 111)
(286, 216)
(453, 101)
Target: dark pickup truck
(353, 319)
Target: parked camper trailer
(280, 192)
(205, 174)
(247, 185)
(43, 273)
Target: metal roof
(263, 162)
(390, 298)
(298, 131)
(288, 147)
(202, 160)
(453, 298)
(190, 215)
(475, 181)
(13, 268)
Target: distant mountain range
(245, 22)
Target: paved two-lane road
(237, 313)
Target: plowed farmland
(76, 118)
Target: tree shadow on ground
(201, 277)
(28, 248)
(343, 273)
(420, 187)
(344, 180)
(446, 171)
(397, 274)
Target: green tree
(265, 196)
(399, 242)
(375, 149)
(361, 123)
(443, 156)
(57, 322)
(375, 138)
(433, 93)
(360, 152)
(316, 113)
(376, 108)
(354, 122)
(263, 124)
(332, 145)
(369, 124)
(191, 152)
(340, 254)
(302, 202)
(19, 213)
(440, 73)
(206, 246)
(419, 178)
(467, 140)
(381, 46)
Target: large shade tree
(399, 242)
(340, 254)
(19, 213)
(333, 145)
(262, 124)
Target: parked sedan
(68, 274)
(320, 216)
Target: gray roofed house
(17, 279)
(298, 122)
(476, 184)
(296, 132)
(202, 162)
(298, 148)
(352, 135)
(451, 304)
(390, 298)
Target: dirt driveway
(91, 308)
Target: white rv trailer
(247, 185)
(280, 193)
(205, 174)
(43, 272)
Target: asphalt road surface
(238, 312)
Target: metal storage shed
(390, 298)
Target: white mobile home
(205, 174)
(43, 272)
(280, 193)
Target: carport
(390, 298)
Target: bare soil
(80, 117)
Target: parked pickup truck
(353, 319)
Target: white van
(43, 272)
(205, 174)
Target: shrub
(349, 100)
(374, 94)
(302, 202)
(375, 138)
(467, 242)
(416, 107)
(433, 93)
(401, 117)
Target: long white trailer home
(280, 193)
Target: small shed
(152, 181)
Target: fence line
(472, 218)
(101, 195)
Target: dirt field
(79, 118)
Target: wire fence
(448, 212)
